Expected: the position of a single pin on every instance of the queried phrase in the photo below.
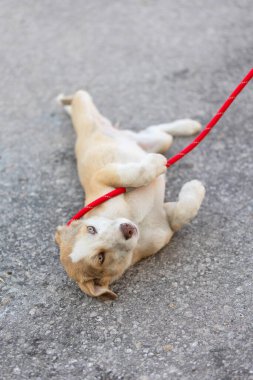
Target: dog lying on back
(97, 249)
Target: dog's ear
(65, 233)
(94, 290)
(58, 234)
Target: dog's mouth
(128, 230)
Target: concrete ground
(187, 312)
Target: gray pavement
(187, 312)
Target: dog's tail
(80, 107)
(66, 102)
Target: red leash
(179, 155)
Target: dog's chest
(146, 202)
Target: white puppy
(97, 249)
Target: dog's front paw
(156, 164)
(194, 189)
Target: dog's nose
(128, 230)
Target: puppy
(97, 249)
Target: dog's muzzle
(128, 230)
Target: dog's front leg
(186, 208)
(132, 174)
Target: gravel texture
(187, 312)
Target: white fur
(81, 250)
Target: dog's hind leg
(152, 141)
(186, 208)
(183, 127)
(158, 138)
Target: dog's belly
(128, 149)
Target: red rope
(98, 201)
(179, 155)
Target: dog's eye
(92, 230)
(101, 257)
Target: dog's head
(96, 251)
